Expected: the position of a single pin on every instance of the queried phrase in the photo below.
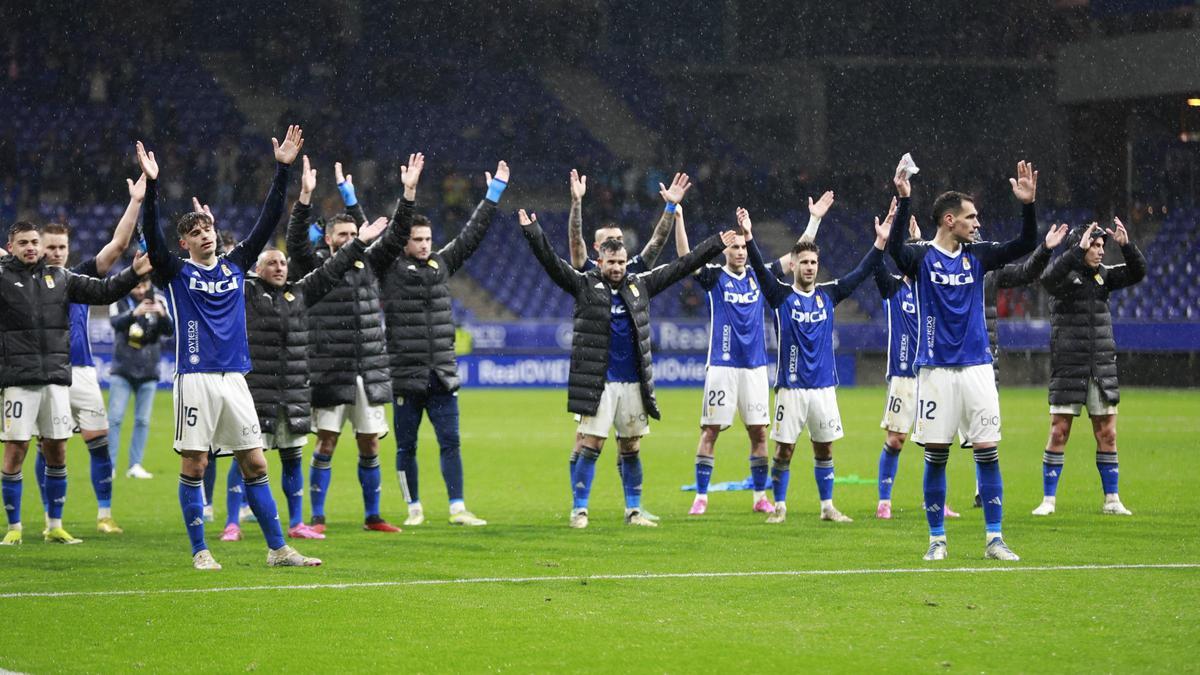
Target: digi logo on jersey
(747, 298)
(213, 287)
(943, 279)
(620, 309)
(800, 316)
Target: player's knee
(290, 454)
(896, 440)
(589, 452)
(939, 455)
(1106, 436)
(709, 432)
(757, 433)
(986, 455)
(822, 450)
(783, 451)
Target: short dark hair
(806, 245)
(190, 220)
(611, 246)
(343, 218)
(56, 228)
(947, 202)
(419, 220)
(19, 227)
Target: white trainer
(937, 550)
(416, 516)
(1045, 508)
(832, 514)
(579, 518)
(290, 557)
(1115, 508)
(998, 550)
(137, 471)
(467, 518)
(780, 514)
(635, 517)
(204, 560)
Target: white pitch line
(603, 577)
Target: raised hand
(410, 174)
(501, 172)
(341, 177)
(891, 214)
(1056, 234)
(882, 230)
(1024, 186)
(900, 180)
(821, 206)
(147, 162)
(308, 177)
(743, 220)
(675, 193)
(1085, 242)
(137, 189)
(1120, 234)
(292, 142)
(369, 233)
(526, 219)
(141, 263)
(728, 237)
(203, 208)
(914, 230)
(578, 186)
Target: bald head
(607, 232)
(272, 267)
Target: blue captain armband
(495, 189)
(347, 190)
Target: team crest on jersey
(966, 263)
(753, 286)
(433, 263)
(50, 281)
(1099, 280)
(820, 302)
(287, 295)
(225, 270)
(633, 289)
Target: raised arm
(1024, 188)
(92, 291)
(576, 246)
(345, 184)
(301, 257)
(844, 287)
(317, 283)
(1054, 279)
(384, 251)
(1134, 268)
(561, 272)
(681, 239)
(884, 281)
(658, 237)
(906, 256)
(662, 277)
(123, 233)
(468, 240)
(245, 254)
(775, 290)
(166, 264)
(1030, 269)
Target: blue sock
(292, 481)
(233, 494)
(934, 486)
(262, 503)
(39, 467)
(631, 479)
(704, 472)
(406, 470)
(1052, 468)
(318, 482)
(585, 473)
(780, 474)
(823, 472)
(191, 502)
(452, 473)
(210, 480)
(11, 485)
(370, 480)
(573, 462)
(991, 488)
(760, 469)
(1106, 463)
(56, 489)
(102, 471)
(889, 463)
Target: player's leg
(370, 424)
(406, 421)
(253, 465)
(789, 422)
(753, 402)
(705, 450)
(1053, 459)
(198, 401)
(938, 414)
(19, 406)
(235, 489)
(631, 424)
(717, 407)
(210, 487)
(328, 423)
(1104, 427)
(193, 464)
(142, 408)
(593, 431)
(899, 413)
(443, 414)
(119, 393)
(87, 409)
(981, 418)
(824, 427)
(54, 428)
(780, 477)
(575, 450)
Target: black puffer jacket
(416, 305)
(35, 328)
(136, 339)
(1012, 275)
(1081, 334)
(593, 316)
(346, 326)
(277, 330)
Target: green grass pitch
(1036, 618)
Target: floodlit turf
(515, 451)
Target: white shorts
(621, 407)
(214, 410)
(283, 438)
(954, 399)
(87, 403)
(42, 410)
(900, 411)
(744, 390)
(1096, 406)
(363, 417)
(816, 409)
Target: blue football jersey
(736, 332)
(622, 359)
(952, 330)
(81, 343)
(209, 309)
(901, 311)
(805, 325)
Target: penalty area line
(647, 576)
